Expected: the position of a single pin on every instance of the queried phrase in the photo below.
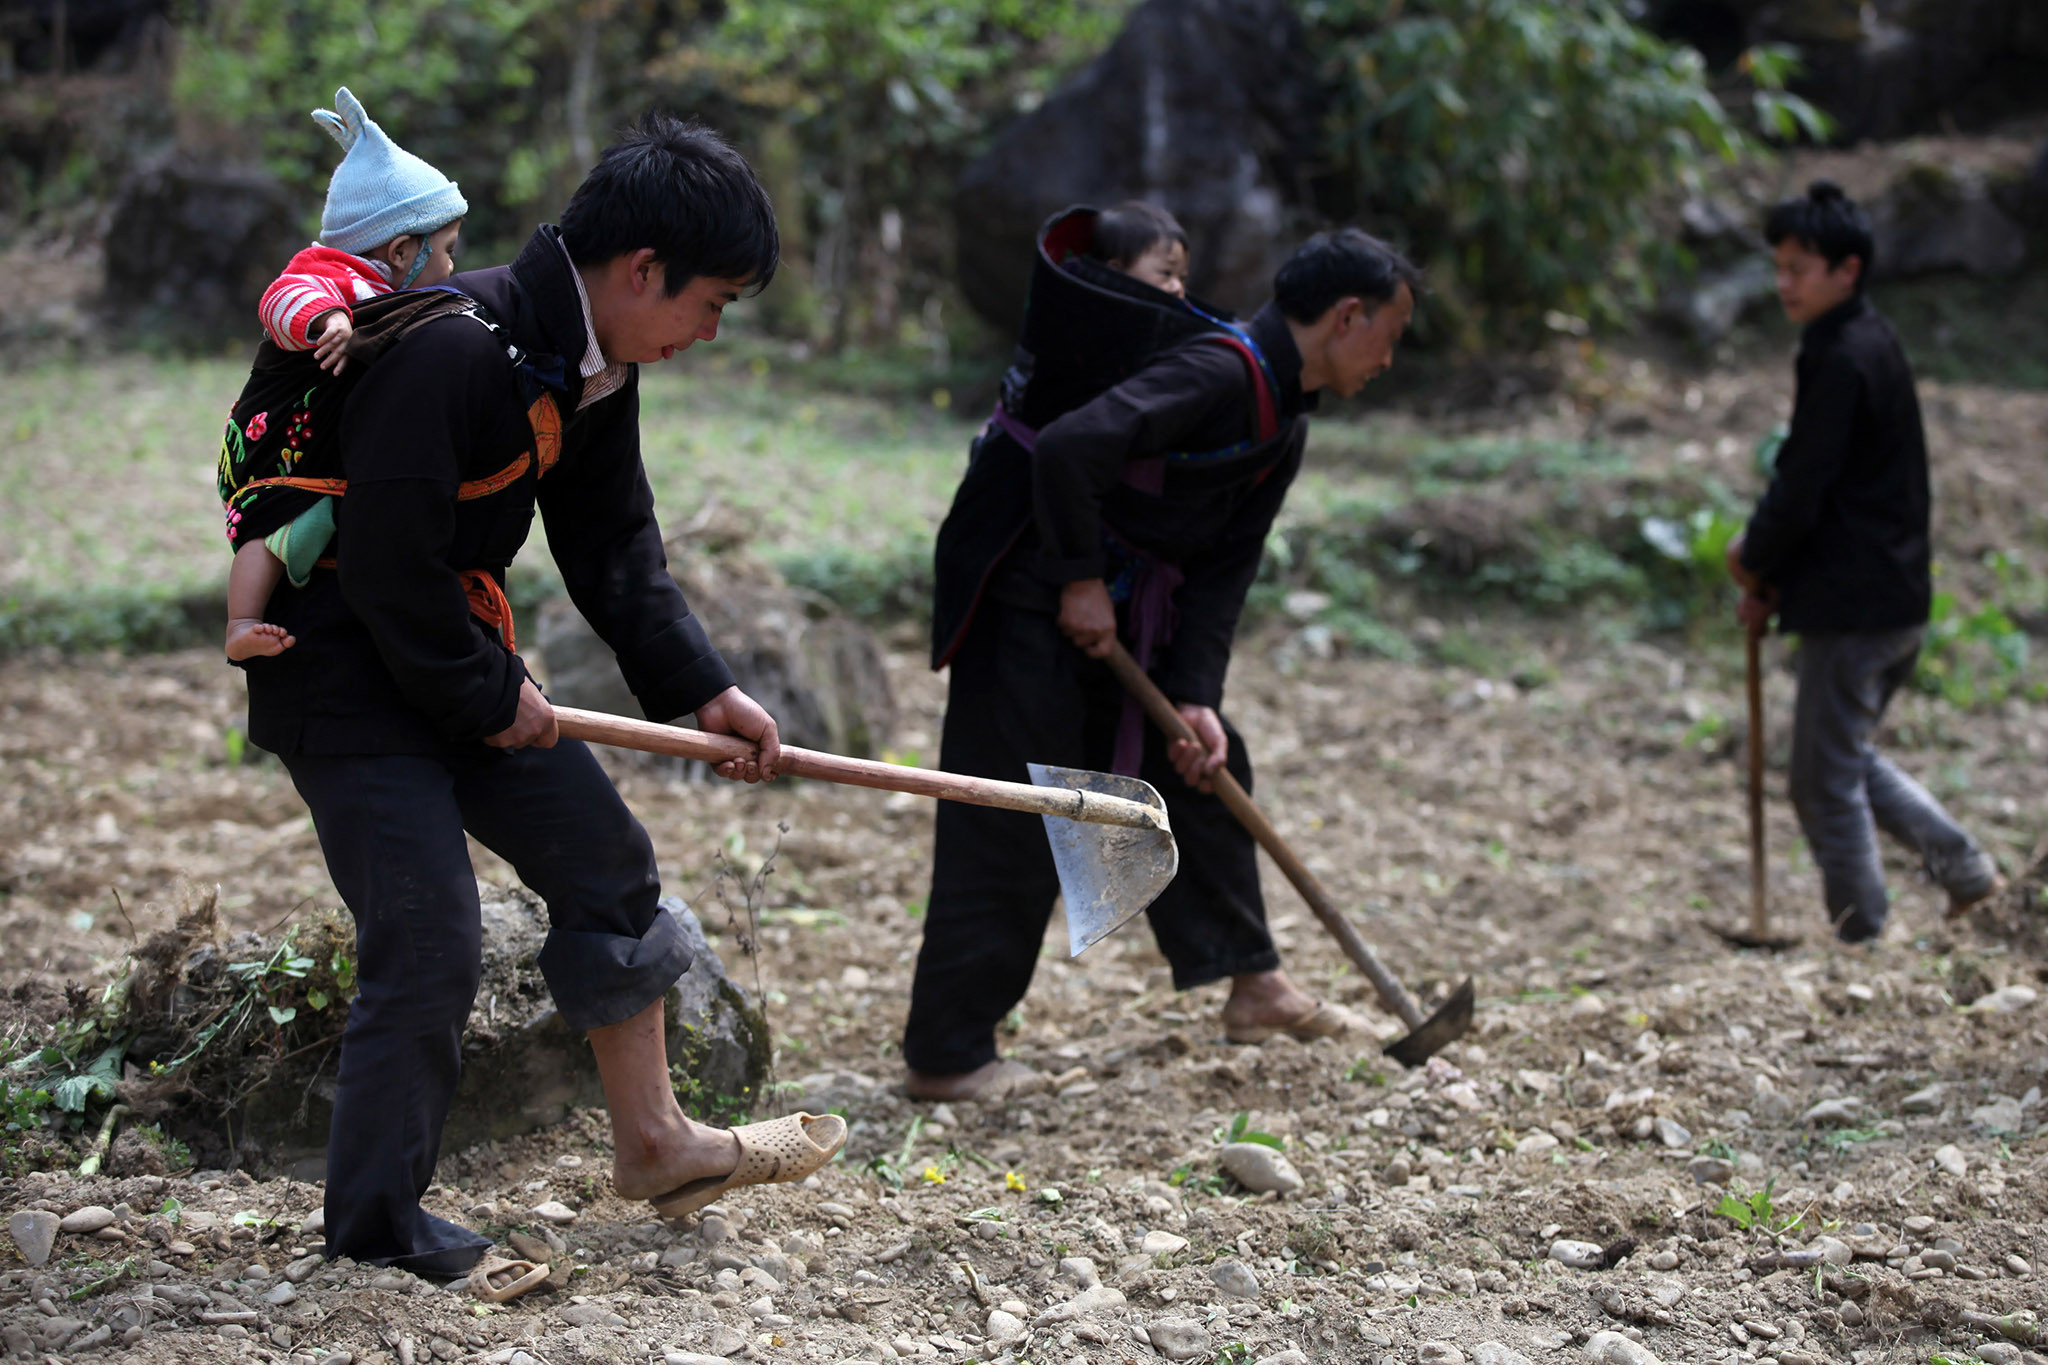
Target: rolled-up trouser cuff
(603, 979)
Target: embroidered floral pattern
(258, 424)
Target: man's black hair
(1131, 229)
(1346, 263)
(1827, 222)
(679, 188)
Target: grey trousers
(1845, 791)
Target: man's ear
(1852, 266)
(645, 271)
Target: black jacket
(1841, 533)
(1023, 526)
(389, 658)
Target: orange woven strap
(487, 601)
(488, 604)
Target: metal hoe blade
(1450, 1023)
(1108, 873)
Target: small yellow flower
(934, 1176)
(1012, 1180)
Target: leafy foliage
(1521, 144)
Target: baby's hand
(333, 343)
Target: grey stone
(591, 1315)
(1081, 1271)
(1209, 108)
(1711, 1170)
(87, 1220)
(281, 1294)
(1235, 1278)
(1003, 1328)
(690, 1358)
(1287, 1357)
(1179, 1338)
(1837, 1112)
(1439, 1353)
(1497, 1353)
(1095, 1299)
(1672, 1133)
(1950, 1158)
(1926, 1100)
(1260, 1168)
(1998, 1353)
(727, 1341)
(1162, 1243)
(34, 1232)
(1577, 1255)
(2003, 1114)
(1833, 1250)
(1667, 1259)
(1612, 1348)
(299, 1271)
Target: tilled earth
(1565, 845)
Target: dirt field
(1563, 845)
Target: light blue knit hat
(380, 190)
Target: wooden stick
(1168, 719)
(1066, 802)
(1759, 907)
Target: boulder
(820, 674)
(1885, 68)
(1937, 218)
(523, 1068)
(191, 245)
(1208, 107)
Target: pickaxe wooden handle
(1168, 719)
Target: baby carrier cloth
(281, 460)
(1087, 328)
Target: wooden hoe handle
(1067, 802)
(1234, 796)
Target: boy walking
(1838, 549)
(1127, 533)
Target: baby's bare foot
(253, 639)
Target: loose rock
(1236, 1279)
(1838, 1113)
(1950, 1158)
(1612, 1348)
(1673, 1134)
(34, 1232)
(1162, 1244)
(1179, 1338)
(1495, 1353)
(1577, 1255)
(1439, 1353)
(1003, 1328)
(87, 1220)
(554, 1211)
(1259, 1168)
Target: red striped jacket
(316, 281)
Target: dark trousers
(1845, 791)
(391, 827)
(1020, 691)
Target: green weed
(1239, 1129)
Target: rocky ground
(1544, 1190)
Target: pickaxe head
(1108, 873)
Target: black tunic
(1842, 531)
(1025, 524)
(389, 659)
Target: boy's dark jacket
(1023, 524)
(1842, 531)
(388, 658)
